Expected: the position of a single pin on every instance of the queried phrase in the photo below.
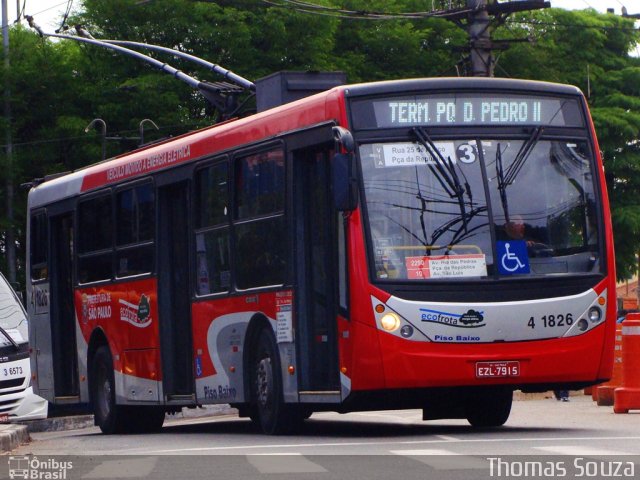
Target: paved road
(366, 445)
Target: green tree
(59, 87)
(42, 78)
(591, 51)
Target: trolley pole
(9, 239)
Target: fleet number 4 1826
(551, 321)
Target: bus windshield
(12, 317)
(480, 207)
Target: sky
(49, 13)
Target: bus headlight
(390, 322)
(595, 314)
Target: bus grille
(8, 405)
(14, 382)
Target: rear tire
(489, 408)
(271, 413)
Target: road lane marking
(124, 468)
(443, 459)
(374, 443)
(581, 451)
(284, 463)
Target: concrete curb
(59, 424)
(12, 436)
(75, 422)
(204, 411)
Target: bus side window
(260, 226)
(95, 227)
(39, 243)
(135, 224)
(213, 270)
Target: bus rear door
(174, 293)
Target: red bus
(428, 243)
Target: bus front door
(317, 275)
(174, 293)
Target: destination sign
(481, 110)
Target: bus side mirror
(345, 184)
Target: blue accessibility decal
(512, 257)
(198, 367)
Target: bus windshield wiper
(522, 155)
(10, 338)
(445, 172)
(502, 186)
(507, 178)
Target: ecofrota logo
(470, 319)
(33, 468)
(137, 315)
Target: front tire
(271, 413)
(107, 415)
(113, 418)
(489, 408)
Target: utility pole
(479, 19)
(10, 243)
(479, 28)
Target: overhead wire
(50, 8)
(64, 18)
(119, 133)
(322, 10)
(570, 25)
(315, 9)
(20, 11)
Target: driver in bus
(535, 237)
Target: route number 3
(466, 153)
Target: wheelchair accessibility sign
(512, 257)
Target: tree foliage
(58, 87)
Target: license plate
(497, 369)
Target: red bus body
(346, 360)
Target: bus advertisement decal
(96, 306)
(137, 315)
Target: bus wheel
(489, 408)
(110, 417)
(272, 414)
